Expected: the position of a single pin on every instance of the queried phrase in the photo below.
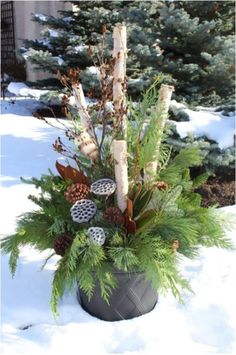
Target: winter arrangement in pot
(122, 212)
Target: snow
(93, 70)
(15, 87)
(53, 33)
(23, 106)
(214, 125)
(68, 19)
(59, 60)
(21, 89)
(79, 48)
(41, 17)
(205, 325)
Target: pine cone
(62, 243)
(175, 245)
(76, 192)
(114, 215)
(161, 185)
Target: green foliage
(161, 212)
(124, 258)
(191, 41)
(106, 280)
(177, 170)
(145, 130)
(215, 160)
(160, 264)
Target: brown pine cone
(175, 245)
(76, 192)
(62, 243)
(161, 185)
(114, 215)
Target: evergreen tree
(192, 41)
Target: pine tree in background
(192, 41)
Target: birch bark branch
(120, 125)
(87, 140)
(163, 107)
(119, 77)
(121, 172)
(82, 106)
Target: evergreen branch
(60, 281)
(107, 281)
(124, 258)
(46, 260)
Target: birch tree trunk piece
(87, 145)
(162, 107)
(82, 106)
(121, 172)
(86, 141)
(119, 76)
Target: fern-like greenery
(160, 216)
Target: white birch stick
(119, 54)
(121, 172)
(163, 107)
(87, 140)
(82, 106)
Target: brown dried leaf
(67, 172)
(61, 169)
(129, 208)
(130, 225)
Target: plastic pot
(133, 297)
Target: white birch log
(87, 145)
(121, 172)
(82, 106)
(119, 76)
(163, 107)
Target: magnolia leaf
(61, 169)
(130, 208)
(145, 220)
(130, 225)
(135, 191)
(67, 172)
(142, 201)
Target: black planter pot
(133, 297)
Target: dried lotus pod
(103, 187)
(97, 235)
(83, 210)
(87, 145)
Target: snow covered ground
(203, 122)
(205, 325)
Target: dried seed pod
(97, 235)
(83, 210)
(87, 145)
(103, 187)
